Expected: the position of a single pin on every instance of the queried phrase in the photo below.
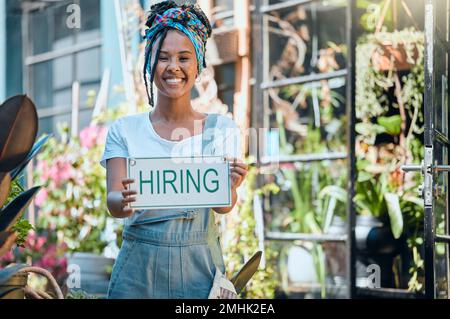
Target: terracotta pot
(13, 288)
(392, 58)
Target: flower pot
(93, 270)
(389, 57)
(302, 282)
(376, 247)
(13, 288)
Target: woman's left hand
(238, 172)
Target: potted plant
(72, 206)
(311, 196)
(389, 97)
(241, 241)
(18, 119)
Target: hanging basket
(389, 57)
(223, 46)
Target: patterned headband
(182, 20)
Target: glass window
(62, 72)
(225, 76)
(88, 65)
(90, 21)
(64, 36)
(39, 30)
(50, 78)
(222, 13)
(41, 84)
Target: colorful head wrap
(183, 19)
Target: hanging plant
(404, 51)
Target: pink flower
(92, 134)
(41, 197)
(53, 174)
(7, 258)
(42, 168)
(40, 242)
(65, 171)
(60, 171)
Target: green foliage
(22, 228)
(381, 187)
(16, 189)
(373, 13)
(73, 205)
(391, 124)
(395, 214)
(317, 193)
(372, 83)
(243, 243)
(79, 294)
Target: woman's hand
(119, 193)
(238, 172)
(127, 196)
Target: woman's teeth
(173, 81)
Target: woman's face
(176, 68)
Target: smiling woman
(159, 242)
(176, 70)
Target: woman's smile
(174, 82)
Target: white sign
(192, 182)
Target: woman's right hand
(118, 187)
(127, 196)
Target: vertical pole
(101, 102)
(75, 109)
(351, 24)
(428, 135)
(242, 80)
(257, 112)
(127, 66)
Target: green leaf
(368, 129)
(392, 124)
(395, 214)
(22, 228)
(334, 191)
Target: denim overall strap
(208, 133)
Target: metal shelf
(389, 293)
(303, 158)
(284, 236)
(442, 239)
(314, 77)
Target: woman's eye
(184, 59)
(161, 58)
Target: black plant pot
(376, 247)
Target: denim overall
(169, 254)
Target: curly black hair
(159, 9)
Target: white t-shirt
(133, 136)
